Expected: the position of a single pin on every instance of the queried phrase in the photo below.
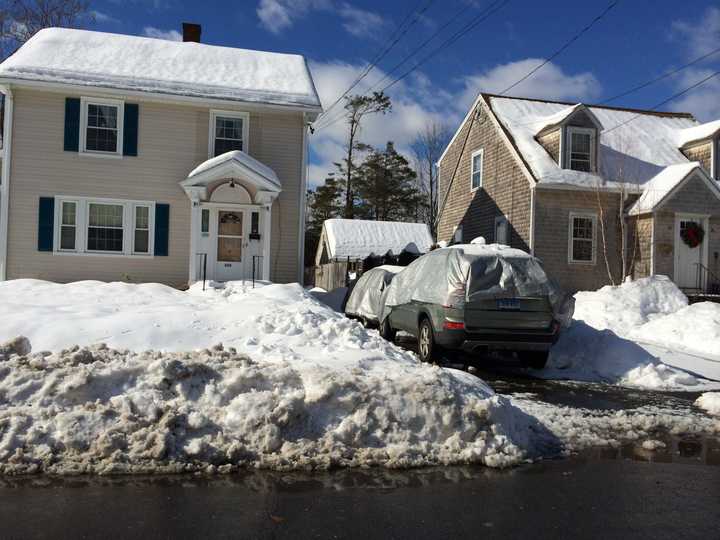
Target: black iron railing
(707, 281)
(203, 267)
(256, 267)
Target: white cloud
(279, 15)
(360, 23)
(701, 37)
(550, 82)
(101, 17)
(703, 101)
(157, 33)
(417, 102)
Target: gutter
(5, 180)
(303, 203)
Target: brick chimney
(191, 32)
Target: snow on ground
(709, 401)
(640, 334)
(295, 385)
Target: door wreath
(692, 234)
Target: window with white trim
(141, 237)
(68, 225)
(476, 166)
(228, 132)
(104, 226)
(582, 235)
(580, 146)
(102, 126)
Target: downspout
(5, 180)
(303, 189)
(532, 220)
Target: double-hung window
(476, 166)
(101, 126)
(582, 234)
(228, 132)
(104, 226)
(581, 149)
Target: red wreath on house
(692, 235)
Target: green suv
(477, 298)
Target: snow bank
(709, 401)
(629, 305)
(97, 410)
(296, 385)
(695, 328)
(602, 343)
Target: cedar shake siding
(553, 208)
(701, 152)
(551, 142)
(693, 198)
(640, 230)
(505, 188)
(172, 141)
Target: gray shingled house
(583, 187)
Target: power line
(559, 51)
(661, 77)
(668, 100)
(562, 49)
(399, 33)
(484, 15)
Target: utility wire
(668, 100)
(661, 77)
(485, 14)
(562, 49)
(399, 33)
(559, 51)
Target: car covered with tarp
(365, 300)
(477, 298)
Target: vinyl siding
(505, 190)
(173, 139)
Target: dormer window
(580, 155)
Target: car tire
(536, 359)
(427, 349)
(387, 332)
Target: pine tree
(323, 203)
(387, 187)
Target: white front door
(231, 243)
(688, 272)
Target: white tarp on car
(366, 298)
(454, 275)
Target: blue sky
(636, 41)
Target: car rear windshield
(516, 277)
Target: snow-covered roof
(559, 117)
(99, 59)
(634, 146)
(358, 239)
(660, 186)
(698, 133)
(236, 158)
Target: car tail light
(453, 325)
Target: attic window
(580, 149)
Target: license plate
(508, 303)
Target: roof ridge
(625, 109)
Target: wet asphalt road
(586, 497)
(603, 493)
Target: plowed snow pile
(610, 327)
(302, 387)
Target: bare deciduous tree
(22, 19)
(427, 149)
